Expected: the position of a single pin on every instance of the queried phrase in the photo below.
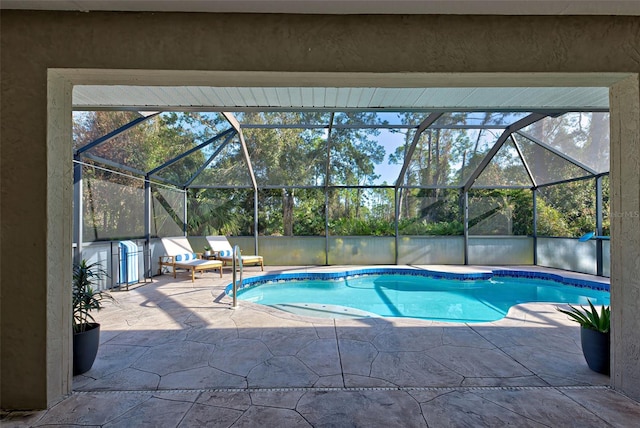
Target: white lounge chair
(223, 251)
(181, 256)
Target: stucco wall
(625, 236)
(418, 50)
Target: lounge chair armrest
(167, 259)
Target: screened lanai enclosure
(372, 182)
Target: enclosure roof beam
(248, 161)
(164, 180)
(332, 186)
(525, 121)
(219, 186)
(570, 180)
(111, 135)
(327, 164)
(524, 161)
(113, 164)
(558, 153)
(362, 126)
(206, 164)
(508, 187)
(431, 186)
(236, 125)
(188, 152)
(427, 122)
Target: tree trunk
(287, 211)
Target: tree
(500, 212)
(105, 219)
(285, 157)
(431, 167)
(570, 209)
(288, 158)
(144, 147)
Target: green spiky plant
(85, 297)
(589, 318)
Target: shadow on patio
(174, 353)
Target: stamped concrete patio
(174, 353)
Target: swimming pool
(477, 297)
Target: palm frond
(85, 298)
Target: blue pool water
(412, 296)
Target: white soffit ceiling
(466, 7)
(120, 97)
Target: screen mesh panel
(505, 212)
(430, 212)
(546, 166)
(113, 205)
(505, 169)
(581, 136)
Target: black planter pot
(85, 348)
(596, 349)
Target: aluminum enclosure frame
(428, 123)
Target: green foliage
(589, 318)
(500, 212)
(309, 226)
(361, 227)
(217, 212)
(309, 213)
(354, 153)
(424, 228)
(606, 221)
(522, 212)
(286, 158)
(113, 202)
(550, 221)
(85, 298)
(567, 209)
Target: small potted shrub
(595, 335)
(207, 251)
(86, 332)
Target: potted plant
(595, 335)
(86, 332)
(207, 251)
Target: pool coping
(409, 271)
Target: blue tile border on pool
(580, 283)
(286, 277)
